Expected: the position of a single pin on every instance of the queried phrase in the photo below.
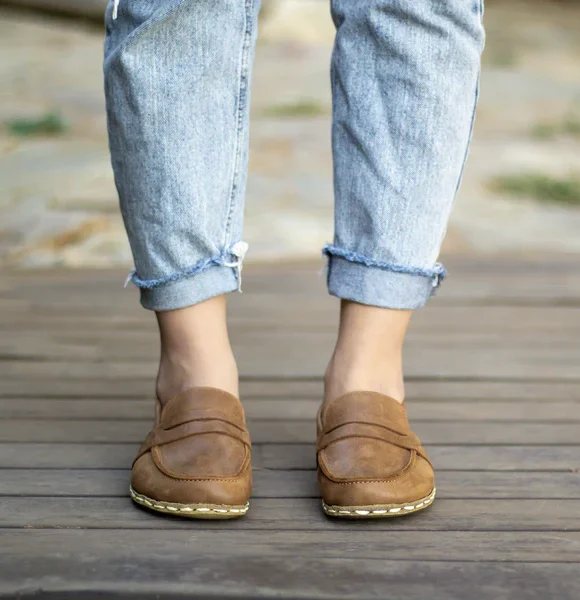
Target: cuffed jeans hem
(212, 281)
(377, 286)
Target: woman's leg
(177, 78)
(404, 77)
(404, 81)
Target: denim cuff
(378, 286)
(212, 281)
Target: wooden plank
(290, 363)
(28, 548)
(426, 388)
(263, 315)
(293, 456)
(68, 323)
(295, 409)
(282, 356)
(79, 347)
(282, 514)
(475, 277)
(155, 575)
(288, 432)
(29, 335)
(293, 484)
(524, 458)
(290, 289)
(111, 349)
(92, 9)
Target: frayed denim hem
(215, 280)
(437, 273)
(205, 279)
(198, 267)
(232, 257)
(352, 276)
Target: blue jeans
(404, 78)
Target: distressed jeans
(404, 77)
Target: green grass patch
(545, 131)
(570, 126)
(541, 188)
(501, 50)
(299, 109)
(51, 123)
(501, 57)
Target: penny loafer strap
(160, 436)
(357, 429)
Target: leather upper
(367, 453)
(198, 451)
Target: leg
(177, 76)
(404, 77)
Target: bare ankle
(368, 353)
(342, 379)
(195, 350)
(179, 374)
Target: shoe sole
(378, 511)
(191, 511)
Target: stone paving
(58, 204)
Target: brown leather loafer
(196, 460)
(370, 463)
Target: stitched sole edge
(191, 511)
(374, 511)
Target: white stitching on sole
(201, 509)
(382, 511)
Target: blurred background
(58, 205)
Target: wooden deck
(493, 369)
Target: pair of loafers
(196, 462)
